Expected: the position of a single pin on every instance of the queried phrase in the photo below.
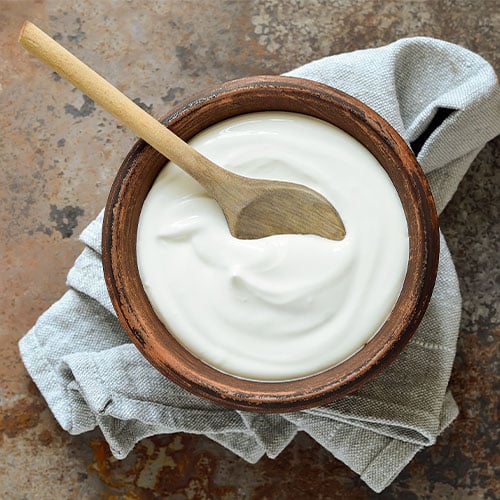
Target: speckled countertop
(58, 156)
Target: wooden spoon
(254, 208)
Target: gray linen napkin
(445, 101)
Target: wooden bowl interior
(136, 177)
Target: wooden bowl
(135, 178)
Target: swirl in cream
(285, 306)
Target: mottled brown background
(59, 155)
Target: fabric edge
(44, 376)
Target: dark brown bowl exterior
(138, 173)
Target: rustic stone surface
(59, 154)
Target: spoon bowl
(278, 207)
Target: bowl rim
(152, 338)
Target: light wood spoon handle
(254, 208)
(121, 107)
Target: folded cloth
(445, 102)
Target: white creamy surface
(285, 306)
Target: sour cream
(286, 306)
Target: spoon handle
(121, 107)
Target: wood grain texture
(254, 208)
(138, 173)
